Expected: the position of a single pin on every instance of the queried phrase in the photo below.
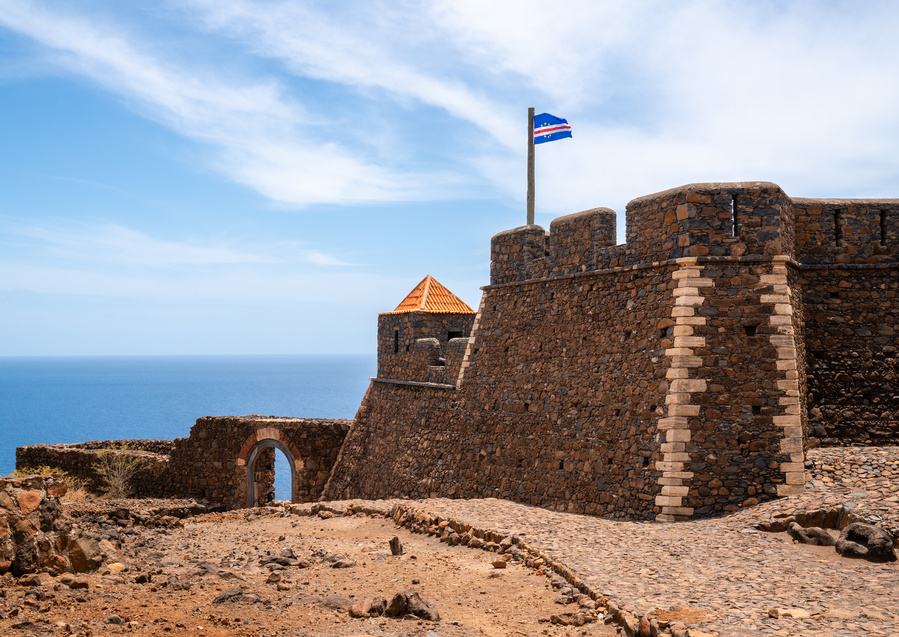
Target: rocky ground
(328, 569)
(271, 572)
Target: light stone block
(689, 301)
(688, 385)
(677, 435)
(686, 361)
(677, 491)
(677, 372)
(689, 341)
(679, 351)
(677, 312)
(683, 410)
(678, 511)
(784, 309)
(675, 398)
(673, 422)
(668, 500)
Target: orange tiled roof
(431, 296)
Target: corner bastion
(683, 373)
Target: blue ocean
(75, 399)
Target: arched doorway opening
(261, 483)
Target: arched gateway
(255, 495)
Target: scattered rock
(813, 535)
(866, 541)
(396, 547)
(795, 613)
(232, 595)
(415, 605)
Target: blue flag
(549, 128)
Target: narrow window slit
(734, 219)
(838, 227)
(883, 227)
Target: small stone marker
(396, 547)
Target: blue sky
(243, 177)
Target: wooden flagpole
(531, 166)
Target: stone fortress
(681, 374)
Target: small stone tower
(424, 338)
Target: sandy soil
(210, 577)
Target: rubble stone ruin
(682, 373)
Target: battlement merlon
(734, 219)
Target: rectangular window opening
(883, 227)
(734, 220)
(396, 341)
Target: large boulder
(866, 541)
(30, 538)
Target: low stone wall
(150, 477)
(211, 464)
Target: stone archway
(269, 438)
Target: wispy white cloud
(252, 128)
(113, 246)
(384, 46)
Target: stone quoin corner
(680, 374)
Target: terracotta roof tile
(431, 296)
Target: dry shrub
(72, 483)
(116, 465)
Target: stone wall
(211, 464)
(79, 460)
(667, 377)
(853, 367)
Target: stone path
(728, 572)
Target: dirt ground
(217, 575)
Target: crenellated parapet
(861, 231)
(739, 219)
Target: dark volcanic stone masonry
(680, 374)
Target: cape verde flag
(549, 128)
